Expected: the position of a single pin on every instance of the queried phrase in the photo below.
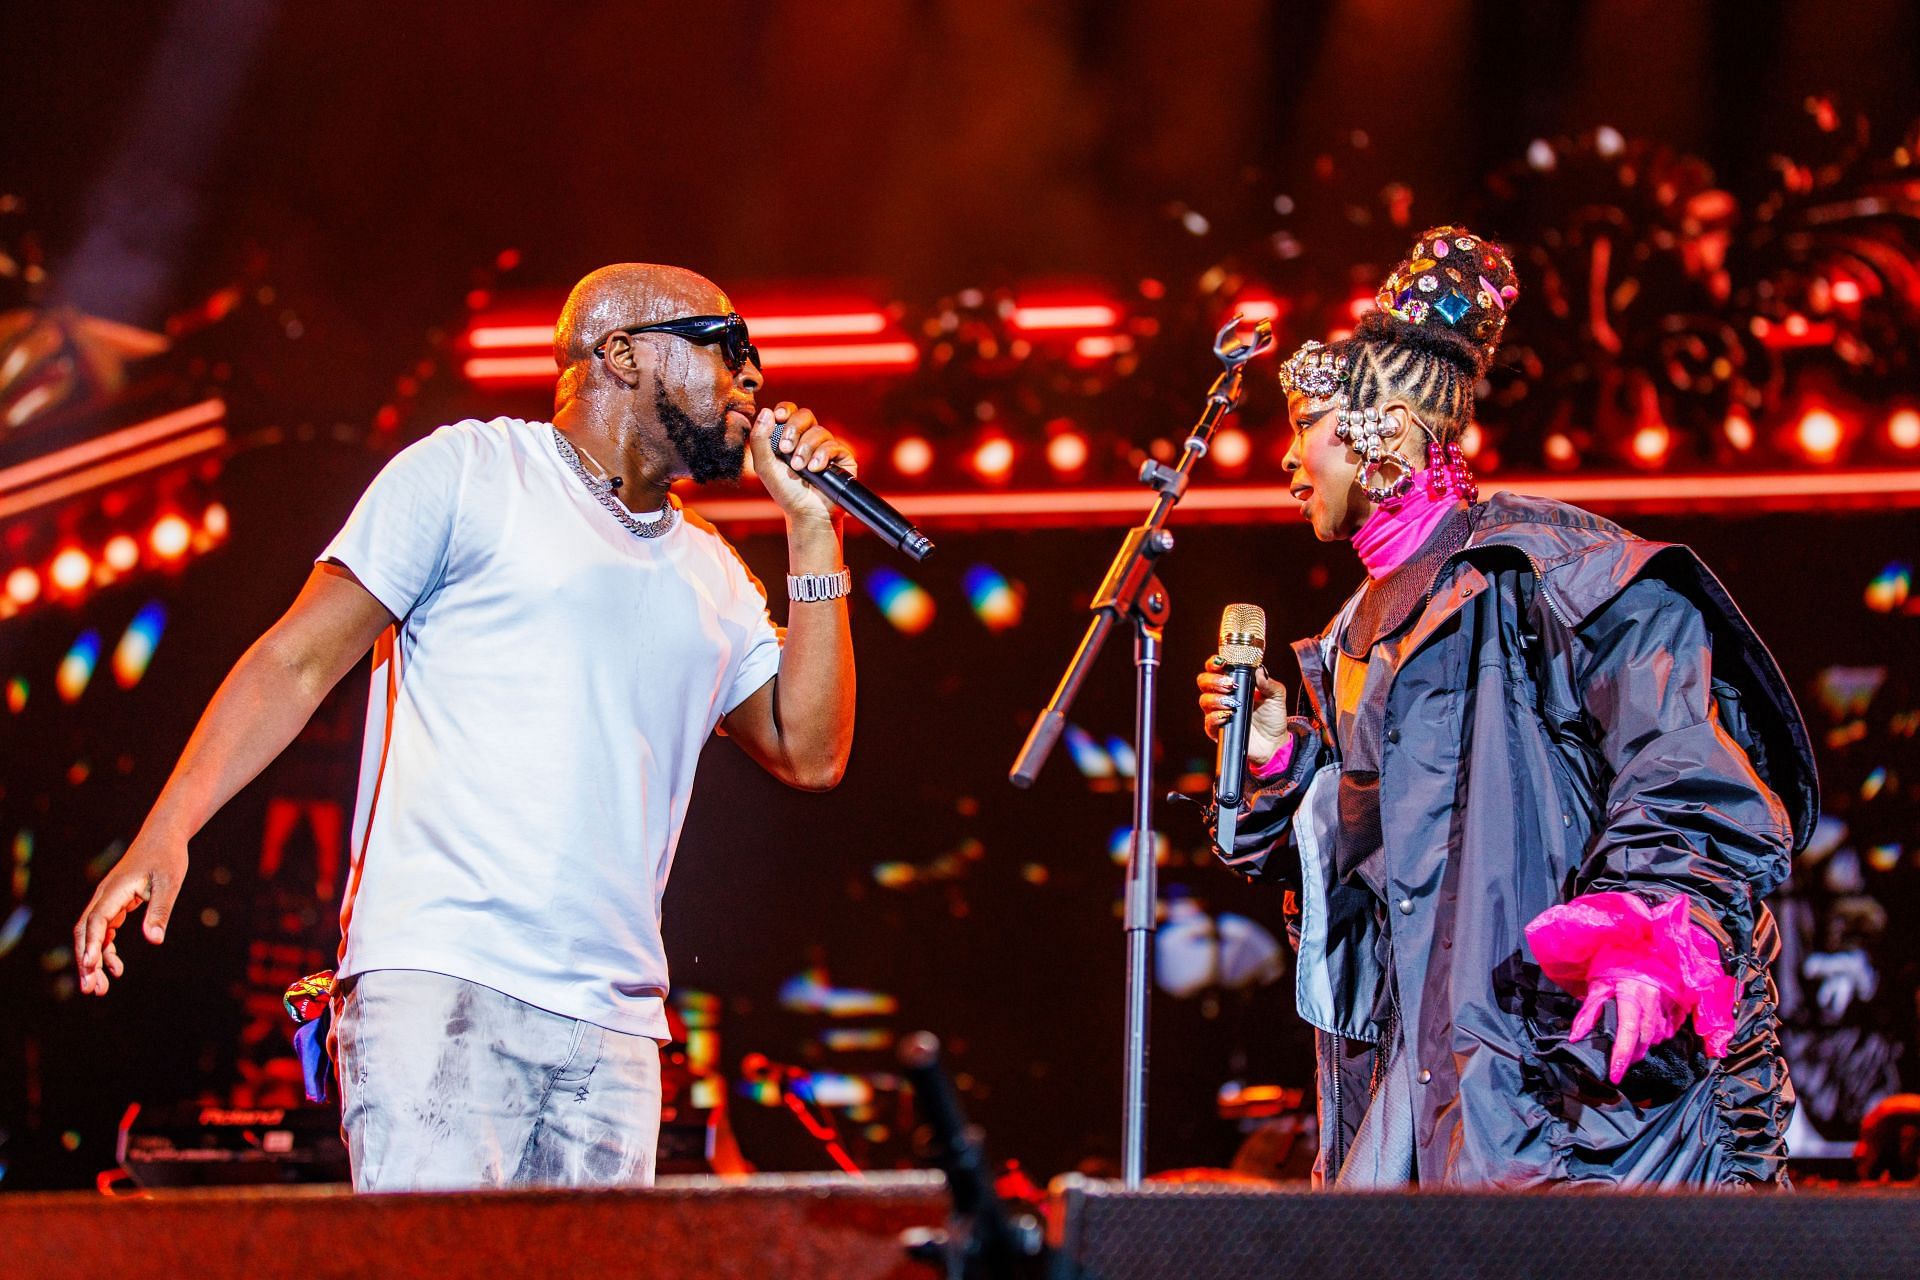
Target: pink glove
(1654, 963)
(1644, 1016)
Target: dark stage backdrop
(990, 914)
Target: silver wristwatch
(819, 586)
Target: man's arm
(260, 706)
(799, 725)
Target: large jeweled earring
(1364, 430)
(1399, 486)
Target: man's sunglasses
(729, 330)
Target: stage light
(23, 586)
(76, 669)
(1738, 429)
(1065, 317)
(903, 602)
(1255, 307)
(839, 325)
(1846, 292)
(135, 650)
(121, 553)
(71, 569)
(993, 458)
(510, 369)
(1650, 444)
(851, 356)
(1559, 450)
(17, 690)
(1097, 347)
(507, 350)
(106, 459)
(1903, 429)
(1067, 451)
(912, 456)
(171, 537)
(997, 602)
(1232, 448)
(214, 520)
(493, 337)
(1819, 435)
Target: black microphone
(871, 510)
(1243, 641)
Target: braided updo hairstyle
(1439, 320)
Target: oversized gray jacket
(1577, 710)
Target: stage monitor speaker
(1190, 1232)
(824, 1225)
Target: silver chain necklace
(603, 494)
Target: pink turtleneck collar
(1401, 526)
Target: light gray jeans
(449, 1085)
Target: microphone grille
(1243, 634)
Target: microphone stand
(1132, 590)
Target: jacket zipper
(1333, 1174)
(1552, 605)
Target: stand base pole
(1142, 903)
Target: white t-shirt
(534, 722)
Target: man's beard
(704, 449)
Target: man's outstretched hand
(150, 872)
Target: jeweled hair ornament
(1314, 371)
(1455, 280)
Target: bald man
(554, 640)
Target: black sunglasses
(729, 330)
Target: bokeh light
(993, 458)
(137, 643)
(1120, 844)
(1089, 757)
(214, 520)
(1232, 448)
(1903, 429)
(76, 669)
(997, 602)
(23, 586)
(913, 456)
(17, 691)
(171, 537)
(71, 569)
(1650, 444)
(1888, 591)
(1819, 435)
(1067, 451)
(121, 553)
(1738, 429)
(903, 602)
